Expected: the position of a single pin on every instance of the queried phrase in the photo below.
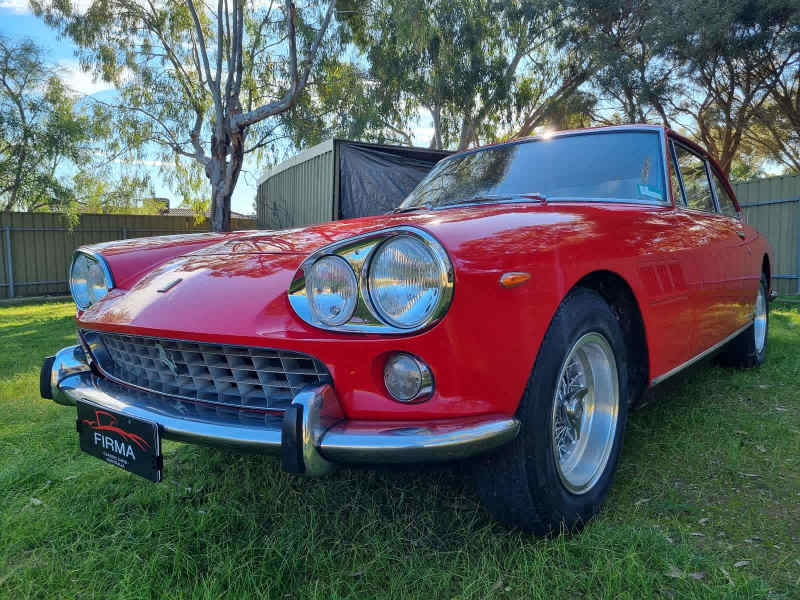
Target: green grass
(709, 478)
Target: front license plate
(126, 442)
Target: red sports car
(511, 310)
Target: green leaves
(49, 141)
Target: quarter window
(726, 205)
(695, 180)
(675, 181)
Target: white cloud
(19, 7)
(79, 80)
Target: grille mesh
(234, 376)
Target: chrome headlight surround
(358, 251)
(88, 288)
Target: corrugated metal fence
(772, 206)
(35, 248)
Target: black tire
(520, 484)
(742, 351)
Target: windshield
(609, 166)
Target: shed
(772, 205)
(340, 179)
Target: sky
(17, 22)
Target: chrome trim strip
(556, 200)
(702, 355)
(326, 436)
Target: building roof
(188, 212)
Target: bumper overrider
(311, 436)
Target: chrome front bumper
(311, 436)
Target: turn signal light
(513, 279)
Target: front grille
(232, 376)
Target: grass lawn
(706, 504)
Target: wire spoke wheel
(585, 412)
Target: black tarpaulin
(375, 179)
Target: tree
(198, 81)
(775, 135)
(776, 131)
(41, 130)
(635, 76)
(724, 48)
(476, 67)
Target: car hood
(234, 286)
(305, 240)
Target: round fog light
(407, 378)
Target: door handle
(741, 233)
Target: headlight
(406, 281)
(332, 290)
(89, 279)
(392, 281)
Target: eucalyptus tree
(635, 76)
(724, 48)
(205, 82)
(42, 131)
(776, 131)
(477, 67)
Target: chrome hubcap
(585, 412)
(760, 320)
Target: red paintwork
(677, 263)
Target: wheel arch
(766, 270)
(620, 296)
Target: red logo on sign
(105, 421)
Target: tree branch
(258, 114)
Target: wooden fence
(36, 248)
(772, 205)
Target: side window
(695, 180)
(726, 205)
(675, 181)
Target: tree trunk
(223, 172)
(220, 208)
(466, 135)
(436, 139)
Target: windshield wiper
(501, 198)
(478, 199)
(423, 206)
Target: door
(716, 252)
(747, 267)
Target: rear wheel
(556, 473)
(749, 348)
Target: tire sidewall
(583, 312)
